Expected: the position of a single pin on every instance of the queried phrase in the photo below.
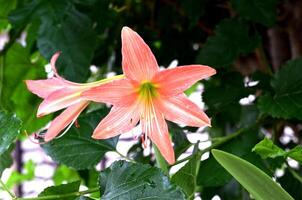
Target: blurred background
(254, 45)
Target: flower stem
(13, 196)
(161, 162)
(61, 196)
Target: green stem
(13, 196)
(221, 141)
(161, 162)
(61, 196)
(125, 157)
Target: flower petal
(43, 88)
(119, 120)
(58, 100)
(118, 92)
(139, 62)
(176, 80)
(181, 110)
(157, 131)
(64, 119)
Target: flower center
(147, 90)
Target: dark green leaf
(186, 176)
(125, 180)
(267, 149)
(263, 12)
(64, 29)
(259, 184)
(179, 138)
(286, 102)
(292, 185)
(76, 148)
(232, 38)
(9, 130)
(194, 9)
(6, 159)
(62, 190)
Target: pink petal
(157, 131)
(118, 92)
(119, 120)
(58, 100)
(43, 88)
(64, 119)
(181, 110)
(53, 61)
(176, 80)
(139, 62)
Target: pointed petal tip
(126, 29)
(171, 161)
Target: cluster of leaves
(229, 35)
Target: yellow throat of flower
(147, 90)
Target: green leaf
(61, 190)
(15, 96)
(76, 148)
(263, 12)
(296, 153)
(124, 180)
(5, 8)
(64, 174)
(63, 28)
(6, 159)
(9, 130)
(186, 176)
(211, 174)
(232, 38)
(255, 181)
(28, 173)
(267, 149)
(286, 101)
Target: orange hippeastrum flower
(59, 93)
(149, 96)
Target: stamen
(66, 130)
(144, 141)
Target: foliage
(254, 45)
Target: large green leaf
(232, 38)
(63, 28)
(259, 185)
(124, 180)
(186, 176)
(286, 101)
(263, 12)
(69, 190)
(15, 97)
(9, 130)
(76, 148)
